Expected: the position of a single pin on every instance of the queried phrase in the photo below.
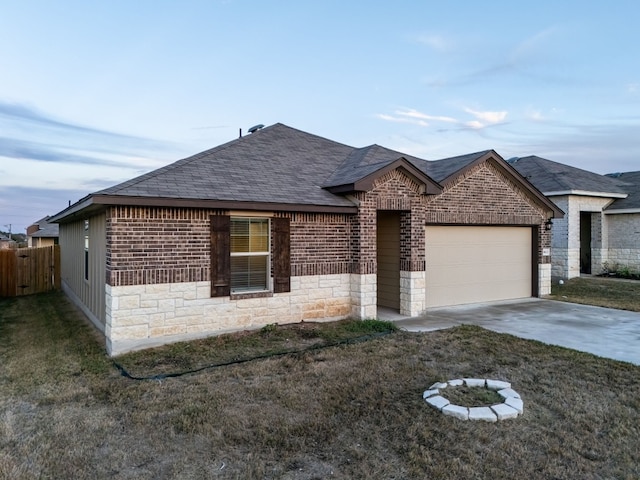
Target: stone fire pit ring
(512, 406)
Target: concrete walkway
(602, 331)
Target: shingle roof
(277, 164)
(46, 229)
(440, 170)
(549, 176)
(630, 183)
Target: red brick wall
(393, 191)
(158, 245)
(320, 243)
(483, 196)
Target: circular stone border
(510, 408)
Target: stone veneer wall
(623, 233)
(565, 242)
(140, 316)
(544, 279)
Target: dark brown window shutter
(281, 256)
(220, 256)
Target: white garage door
(477, 264)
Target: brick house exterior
(149, 267)
(601, 227)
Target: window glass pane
(249, 235)
(249, 273)
(259, 233)
(239, 235)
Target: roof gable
(465, 163)
(364, 165)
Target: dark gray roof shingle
(549, 176)
(277, 164)
(630, 183)
(440, 170)
(46, 229)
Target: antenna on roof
(255, 128)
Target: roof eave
(617, 211)
(585, 193)
(98, 202)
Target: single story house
(281, 226)
(601, 227)
(42, 233)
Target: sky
(95, 93)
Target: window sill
(246, 295)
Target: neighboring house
(282, 226)
(601, 226)
(6, 243)
(42, 233)
(623, 224)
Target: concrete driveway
(602, 331)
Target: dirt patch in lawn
(350, 411)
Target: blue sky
(94, 93)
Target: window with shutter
(243, 255)
(249, 254)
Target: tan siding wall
(89, 293)
(43, 242)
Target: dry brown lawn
(348, 411)
(600, 291)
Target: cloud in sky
(481, 119)
(25, 149)
(484, 119)
(71, 160)
(23, 123)
(434, 41)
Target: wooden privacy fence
(29, 270)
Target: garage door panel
(477, 264)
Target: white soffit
(621, 210)
(585, 193)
